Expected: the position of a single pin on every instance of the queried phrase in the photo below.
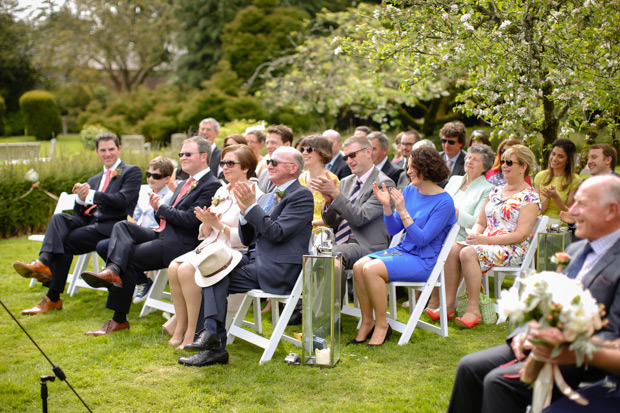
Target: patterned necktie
(450, 163)
(574, 269)
(184, 189)
(344, 230)
(91, 209)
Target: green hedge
(32, 213)
(41, 114)
(2, 115)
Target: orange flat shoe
(461, 323)
(434, 314)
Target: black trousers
(66, 236)
(481, 386)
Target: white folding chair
(436, 279)
(528, 260)
(158, 298)
(280, 321)
(65, 203)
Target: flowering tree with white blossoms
(533, 67)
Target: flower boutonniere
(561, 258)
(116, 173)
(279, 195)
(216, 201)
(191, 187)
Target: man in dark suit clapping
(134, 249)
(277, 230)
(102, 201)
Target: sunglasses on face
(154, 176)
(352, 155)
(187, 154)
(397, 142)
(448, 141)
(276, 163)
(307, 149)
(230, 164)
(507, 162)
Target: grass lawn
(136, 370)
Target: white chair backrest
(540, 226)
(397, 238)
(65, 202)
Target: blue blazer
(469, 208)
(118, 201)
(280, 238)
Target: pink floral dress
(502, 214)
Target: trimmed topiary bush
(41, 114)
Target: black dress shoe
(206, 341)
(296, 318)
(355, 342)
(205, 358)
(386, 338)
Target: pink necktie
(90, 210)
(184, 189)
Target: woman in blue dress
(426, 213)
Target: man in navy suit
(380, 146)
(102, 201)
(337, 165)
(209, 129)
(277, 230)
(134, 249)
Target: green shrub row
(2, 115)
(31, 213)
(41, 114)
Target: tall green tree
(17, 73)
(533, 68)
(127, 40)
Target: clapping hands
(81, 190)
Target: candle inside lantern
(323, 356)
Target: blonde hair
(524, 155)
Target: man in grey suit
(380, 146)
(277, 231)
(277, 135)
(483, 381)
(364, 231)
(210, 129)
(453, 136)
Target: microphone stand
(55, 369)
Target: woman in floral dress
(499, 237)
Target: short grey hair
(422, 143)
(611, 185)
(383, 140)
(296, 156)
(488, 156)
(212, 121)
(202, 144)
(331, 132)
(361, 140)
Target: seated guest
(336, 164)
(277, 231)
(135, 249)
(380, 146)
(398, 156)
(316, 151)
(558, 183)
(363, 131)
(277, 135)
(499, 237)
(220, 223)
(602, 159)
(495, 174)
(479, 137)
(102, 201)
(233, 139)
(256, 141)
(158, 177)
(407, 141)
(488, 381)
(470, 193)
(426, 213)
(453, 135)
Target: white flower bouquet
(567, 315)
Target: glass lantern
(548, 244)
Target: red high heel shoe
(434, 314)
(461, 323)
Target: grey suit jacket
(459, 165)
(365, 214)
(604, 284)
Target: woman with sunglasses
(558, 183)
(220, 223)
(316, 151)
(500, 235)
(426, 213)
(495, 174)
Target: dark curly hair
(429, 164)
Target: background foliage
(41, 114)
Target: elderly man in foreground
(488, 381)
(276, 229)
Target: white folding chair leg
(154, 298)
(75, 278)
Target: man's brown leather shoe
(105, 278)
(110, 326)
(36, 269)
(44, 306)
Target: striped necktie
(270, 200)
(344, 230)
